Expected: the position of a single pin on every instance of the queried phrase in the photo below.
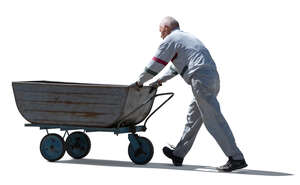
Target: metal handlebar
(162, 94)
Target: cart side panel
(134, 99)
(70, 104)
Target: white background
(255, 45)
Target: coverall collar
(176, 29)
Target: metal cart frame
(140, 149)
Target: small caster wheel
(144, 154)
(52, 147)
(78, 145)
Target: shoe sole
(176, 164)
(224, 170)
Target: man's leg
(205, 91)
(194, 122)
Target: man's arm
(164, 54)
(172, 72)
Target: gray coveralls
(193, 62)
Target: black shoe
(177, 161)
(233, 165)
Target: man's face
(164, 31)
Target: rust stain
(90, 114)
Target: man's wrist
(159, 82)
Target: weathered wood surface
(80, 104)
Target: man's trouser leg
(194, 122)
(205, 88)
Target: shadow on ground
(111, 163)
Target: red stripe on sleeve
(160, 61)
(175, 56)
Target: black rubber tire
(78, 145)
(52, 147)
(146, 153)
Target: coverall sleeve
(164, 54)
(170, 73)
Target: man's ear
(167, 28)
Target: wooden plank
(70, 117)
(71, 88)
(73, 123)
(37, 96)
(63, 107)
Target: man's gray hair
(170, 22)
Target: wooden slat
(81, 123)
(38, 96)
(68, 98)
(70, 107)
(75, 89)
(70, 117)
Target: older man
(193, 62)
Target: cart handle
(171, 94)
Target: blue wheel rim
(145, 154)
(52, 147)
(78, 145)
